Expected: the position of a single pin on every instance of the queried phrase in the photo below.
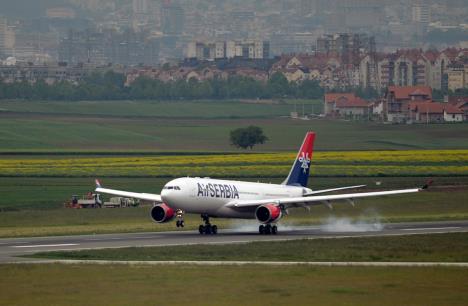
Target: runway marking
(243, 263)
(44, 245)
(430, 228)
(104, 239)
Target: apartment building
(247, 49)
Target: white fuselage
(209, 196)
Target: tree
(248, 137)
(278, 86)
(309, 89)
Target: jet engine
(268, 213)
(162, 213)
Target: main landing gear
(180, 218)
(268, 229)
(207, 229)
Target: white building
(3, 29)
(230, 49)
(140, 6)
(421, 12)
(220, 50)
(251, 49)
(7, 38)
(453, 116)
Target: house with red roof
(324, 68)
(397, 99)
(463, 106)
(455, 100)
(256, 74)
(434, 112)
(339, 105)
(461, 103)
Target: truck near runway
(90, 200)
(121, 202)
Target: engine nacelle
(268, 213)
(162, 213)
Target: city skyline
(37, 31)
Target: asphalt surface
(12, 247)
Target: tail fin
(98, 183)
(299, 174)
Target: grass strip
(250, 285)
(452, 247)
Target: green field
(244, 285)
(415, 248)
(197, 126)
(165, 109)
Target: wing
(315, 200)
(332, 189)
(127, 194)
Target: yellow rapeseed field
(355, 163)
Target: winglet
(427, 185)
(98, 183)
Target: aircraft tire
(261, 229)
(201, 229)
(274, 230)
(214, 229)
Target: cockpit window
(171, 188)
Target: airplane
(268, 203)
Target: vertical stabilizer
(299, 174)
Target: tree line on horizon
(111, 86)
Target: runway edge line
(243, 263)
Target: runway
(12, 247)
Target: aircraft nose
(172, 191)
(165, 194)
(168, 195)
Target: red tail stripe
(308, 145)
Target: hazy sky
(27, 8)
(37, 8)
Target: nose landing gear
(180, 218)
(268, 229)
(207, 229)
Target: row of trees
(111, 86)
